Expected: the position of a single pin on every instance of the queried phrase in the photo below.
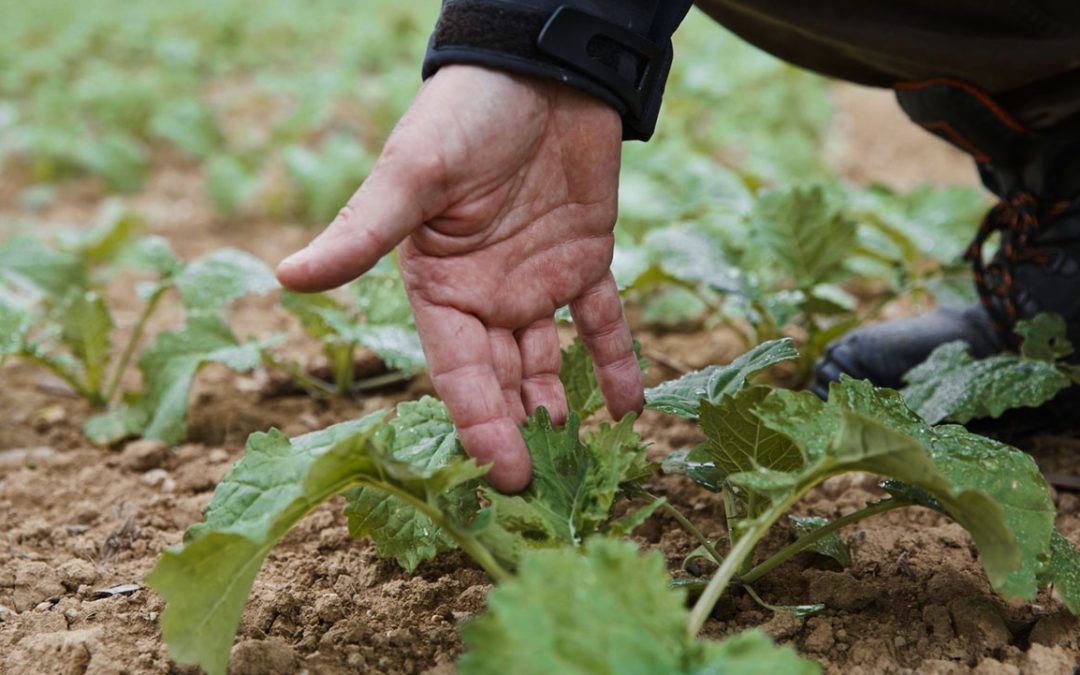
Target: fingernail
(296, 259)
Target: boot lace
(1018, 218)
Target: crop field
(203, 472)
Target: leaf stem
(63, 373)
(709, 597)
(314, 387)
(685, 523)
(469, 544)
(801, 544)
(133, 342)
(741, 550)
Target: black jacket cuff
(624, 63)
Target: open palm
(502, 194)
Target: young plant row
(571, 591)
(58, 304)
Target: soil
(81, 526)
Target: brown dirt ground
(76, 521)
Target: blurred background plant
(731, 216)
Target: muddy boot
(1037, 266)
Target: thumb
(385, 210)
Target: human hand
(500, 193)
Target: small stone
(49, 416)
(978, 621)
(820, 638)
(1047, 661)
(782, 625)
(144, 454)
(262, 657)
(839, 590)
(990, 666)
(34, 583)
(899, 641)
(329, 607)
(25, 456)
(160, 479)
(938, 622)
(1057, 630)
(76, 572)
(217, 456)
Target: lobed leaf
(831, 545)
(575, 482)
(996, 492)
(424, 439)
(1045, 337)
(683, 396)
(803, 234)
(210, 283)
(739, 441)
(604, 609)
(952, 386)
(1063, 571)
(206, 580)
(169, 366)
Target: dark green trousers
(1025, 53)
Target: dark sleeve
(617, 50)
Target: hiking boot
(1037, 266)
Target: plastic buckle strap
(567, 37)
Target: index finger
(462, 369)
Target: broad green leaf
(169, 365)
(115, 228)
(230, 183)
(14, 325)
(397, 346)
(1063, 571)
(682, 397)
(86, 327)
(753, 653)
(189, 125)
(328, 176)
(689, 254)
(26, 262)
(673, 306)
(424, 439)
(380, 296)
(126, 421)
(992, 490)
(802, 233)
(574, 482)
(382, 321)
(1044, 338)
(604, 610)
(210, 283)
(831, 545)
(608, 610)
(738, 441)
(152, 253)
(311, 309)
(205, 582)
(120, 159)
(951, 385)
